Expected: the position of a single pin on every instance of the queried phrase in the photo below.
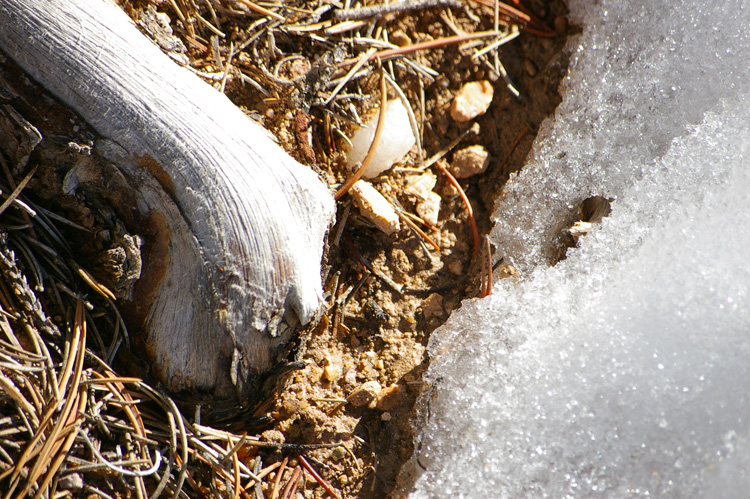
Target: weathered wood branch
(239, 224)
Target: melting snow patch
(623, 369)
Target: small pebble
(432, 306)
(421, 185)
(469, 161)
(530, 67)
(429, 209)
(364, 394)
(73, 481)
(338, 453)
(400, 38)
(374, 207)
(456, 267)
(351, 377)
(386, 416)
(472, 100)
(561, 25)
(331, 372)
(389, 398)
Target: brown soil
(372, 332)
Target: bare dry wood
(238, 225)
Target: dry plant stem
(431, 44)
(361, 61)
(277, 480)
(17, 191)
(291, 486)
(526, 21)
(487, 286)
(461, 192)
(261, 10)
(513, 146)
(453, 143)
(416, 228)
(409, 111)
(317, 477)
(379, 10)
(375, 141)
(235, 218)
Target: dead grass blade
(461, 192)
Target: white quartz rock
(396, 140)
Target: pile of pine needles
(69, 424)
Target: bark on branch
(241, 224)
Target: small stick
(317, 477)
(210, 26)
(513, 146)
(291, 486)
(461, 192)
(17, 190)
(375, 140)
(275, 491)
(342, 224)
(488, 289)
(379, 10)
(362, 60)
(496, 44)
(430, 44)
(396, 287)
(526, 21)
(409, 112)
(261, 10)
(401, 214)
(227, 67)
(445, 150)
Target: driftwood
(238, 225)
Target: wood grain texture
(242, 224)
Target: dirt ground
(365, 358)
(380, 335)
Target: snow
(623, 369)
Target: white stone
(374, 207)
(429, 209)
(364, 394)
(472, 100)
(432, 307)
(421, 185)
(469, 161)
(396, 140)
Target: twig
(513, 146)
(496, 44)
(291, 486)
(317, 477)
(430, 44)
(461, 192)
(375, 141)
(361, 61)
(487, 286)
(445, 150)
(409, 112)
(261, 10)
(379, 10)
(17, 191)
